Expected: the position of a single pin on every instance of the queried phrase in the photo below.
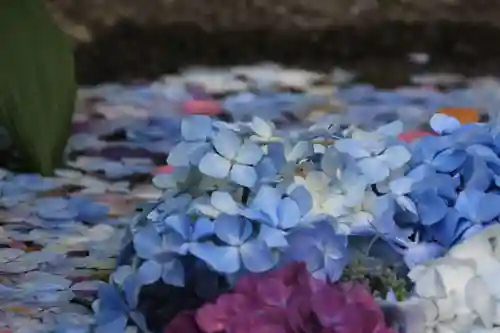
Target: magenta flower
(287, 300)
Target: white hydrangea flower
(463, 286)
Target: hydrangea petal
(227, 144)
(243, 175)
(196, 128)
(224, 202)
(257, 257)
(288, 213)
(249, 153)
(150, 272)
(224, 259)
(374, 169)
(215, 166)
(232, 230)
(173, 273)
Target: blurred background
(124, 40)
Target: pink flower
(288, 300)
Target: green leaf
(37, 83)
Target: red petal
(211, 319)
(274, 292)
(163, 169)
(413, 135)
(327, 303)
(247, 285)
(205, 107)
(184, 322)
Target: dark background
(125, 40)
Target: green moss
(380, 280)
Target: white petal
(215, 165)
(227, 143)
(249, 153)
(395, 157)
(480, 300)
(243, 175)
(224, 202)
(374, 169)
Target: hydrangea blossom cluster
(286, 300)
(458, 292)
(451, 187)
(244, 198)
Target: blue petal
(257, 257)
(139, 319)
(227, 144)
(147, 242)
(431, 208)
(476, 174)
(110, 298)
(426, 148)
(483, 152)
(110, 321)
(150, 272)
(478, 206)
(249, 153)
(374, 169)
(203, 227)
(223, 259)
(449, 160)
(243, 175)
(354, 148)
(267, 200)
(131, 289)
(331, 161)
(215, 166)
(301, 150)
(88, 210)
(196, 128)
(422, 252)
(173, 273)
(303, 198)
(442, 123)
(276, 152)
(197, 151)
(333, 268)
(266, 169)
(288, 213)
(179, 155)
(51, 203)
(180, 223)
(224, 202)
(261, 127)
(395, 157)
(272, 237)
(233, 230)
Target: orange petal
(464, 115)
(20, 309)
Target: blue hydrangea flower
(374, 159)
(232, 158)
(240, 249)
(161, 255)
(196, 132)
(217, 203)
(278, 213)
(117, 304)
(321, 248)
